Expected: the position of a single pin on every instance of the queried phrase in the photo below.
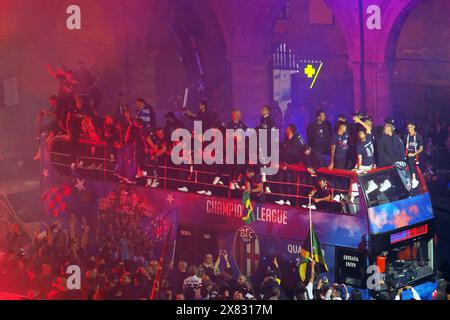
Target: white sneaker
(415, 183)
(149, 183)
(287, 203)
(183, 189)
(385, 185)
(337, 198)
(155, 183)
(231, 186)
(208, 193)
(313, 207)
(371, 187)
(268, 190)
(216, 180)
(280, 202)
(201, 192)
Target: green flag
(305, 253)
(248, 217)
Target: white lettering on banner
(351, 261)
(235, 210)
(278, 216)
(294, 248)
(224, 208)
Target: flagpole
(310, 228)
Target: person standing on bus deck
(290, 153)
(339, 148)
(390, 151)
(365, 150)
(386, 154)
(202, 115)
(145, 112)
(266, 122)
(319, 135)
(235, 170)
(339, 158)
(365, 153)
(414, 146)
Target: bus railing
(203, 179)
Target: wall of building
(421, 78)
(136, 53)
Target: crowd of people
(117, 252)
(139, 146)
(115, 271)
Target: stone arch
(157, 67)
(378, 49)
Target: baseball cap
(390, 121)
(368, 118)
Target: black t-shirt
(319, 136)
(366, 149)
(290, 149)
(266, 123)
(322, 192)
(386, 150)
(413, 143)
(310, 161)
(342, 145)
(206, 118)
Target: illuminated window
(284, 58)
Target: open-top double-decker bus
(391, 228)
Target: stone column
(377, 89)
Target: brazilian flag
(249, 216)
(305, 253)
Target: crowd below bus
(137, 144)
(115, 270)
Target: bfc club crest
(246, 250)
